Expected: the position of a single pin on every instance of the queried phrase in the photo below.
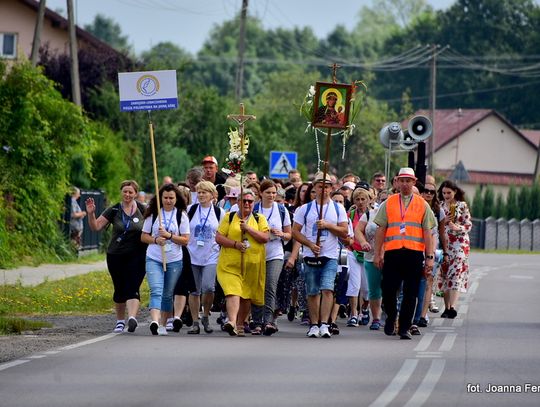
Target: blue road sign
(281, 162)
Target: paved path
(30, 276)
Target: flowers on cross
(237, 152)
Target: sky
(187, 23)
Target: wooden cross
(241, 119)
(334, 67)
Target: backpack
(193, 209)
(178, 218)
(118, 207)
(281, 209)
(308, 208)
(231, 216)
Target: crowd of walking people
(312, 252)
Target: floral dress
(455, 273)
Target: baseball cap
(363, 185)
(406, 172)
(209, 159)
(349, 185)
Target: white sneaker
(169, 326)
(324, 332)
(314, 331)
(162, 331)
(119, 327)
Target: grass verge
(10, 325)
(86, 294)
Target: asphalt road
(494, 341)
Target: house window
(8, 45)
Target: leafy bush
(40, 133)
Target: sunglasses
(250, 201)
(429, 191)
(380, 180)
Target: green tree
(512, 203)
(41, 133)
(107, 30)
(489, 201)
(535, 202)
(499, 206)
(524, 198)
(478, 203)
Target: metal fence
(502, 234)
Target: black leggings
(127, 272)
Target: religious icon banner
(331, 105)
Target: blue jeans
(320, 278)
(162, 283)
(265, 313)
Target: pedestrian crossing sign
(281, 162)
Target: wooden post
(75, 83)
(37, 32)
(154, 164)
(325, 171)
(241, 119)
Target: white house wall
(490, 145)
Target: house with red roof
(480, 147)
(17, 23)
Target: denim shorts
(320, 278)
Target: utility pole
(75, 84)
(37, 33)
(241, 49)
(433, 108)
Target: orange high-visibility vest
(413, 238)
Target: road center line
(448, 342)
(397, 383)
(428, 383)
(424, 342)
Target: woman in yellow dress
(242, 236)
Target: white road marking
(425, 389)
(36, 356)
(518, 277)
(7, 365)
(51, 352)
(437, 322)
(457, 322)
(448, 342)
(424, 342)
(474, 287)
(397, 383)
(89, 342)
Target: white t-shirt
(194, 197)
(274, 248)
(369, 232)
(173, 251)
(203, 226)
(329, 242)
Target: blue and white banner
(151, 90)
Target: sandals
(256, 331)
(195, 329)
(119, 327)
(270, 329)
(414, 330)
(230, 329)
